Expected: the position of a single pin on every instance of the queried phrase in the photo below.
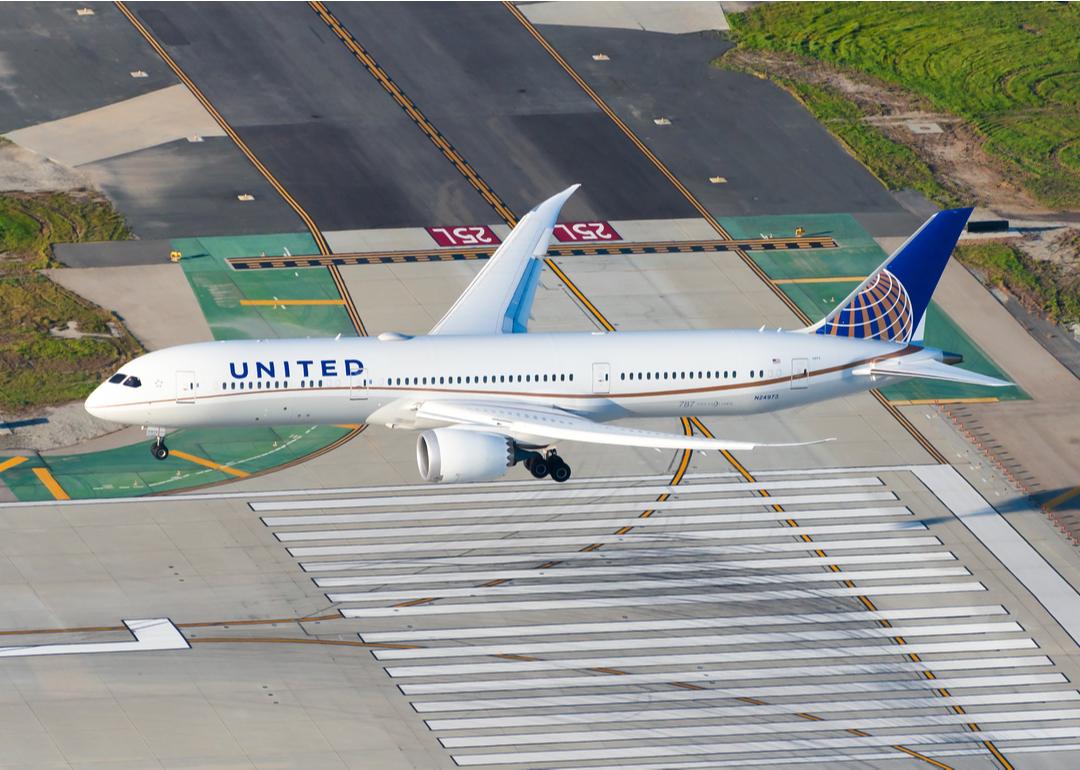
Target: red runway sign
(572, 232)
(464, 235)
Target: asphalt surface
(56, 63)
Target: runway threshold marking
(11, 462)
(51, 484)
(704, 212)
(209, 464)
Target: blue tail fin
(891, 303)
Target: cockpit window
(118, 377)
(133, 382)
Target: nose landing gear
(158, 448)
(547, 465)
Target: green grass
(1012, 70)
(1039, 285)
(36, 368)
(897, 166)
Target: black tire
(560, 472)
(539, 467)
(159, 451)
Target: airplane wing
(540, 426)
(500, 297)
(928, 369)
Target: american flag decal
(882, 311)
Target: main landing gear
(158, 448)
(547, 465)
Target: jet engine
(452, 454)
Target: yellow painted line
(828, 279)
(11, 462)
(352, 426)
(51, 484)
(927, 401)
(1062, 498)
(208, 463)
(274, 302)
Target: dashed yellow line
(826, 279)
(11, 462)
(51, 484)
(274, 302)
(209, 463)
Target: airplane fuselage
(601, 375)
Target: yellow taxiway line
(1064, 497)
(208, 463)
(11, 462)
(46, 478)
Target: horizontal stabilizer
(541, 426)
(929, 369)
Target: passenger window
(320, 383)
(118, 377)
(571, 377)
(133, 382)
(761, 372)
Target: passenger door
(601, 378)
(185, 387)
(358, 387)
(800, 373)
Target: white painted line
(520, 684)
(711, 764)
(779, 637)
(756, 728)
(635, 520)
(716, 581)
(673, 550)
(727, 712)
(500, 501)
(632, 537)
(994, 531)
(687, 659)
(659, 600)
(663, 568)
(816, 689)
(150, 634)
(761, 747)
(675, 624)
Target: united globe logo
(882, 310)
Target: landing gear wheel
(560, 472)
(538, 467)
(159, 450)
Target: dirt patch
(955, 154)
(24, 170)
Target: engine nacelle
(452, 454)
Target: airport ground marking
(44, 475)
(456, 254)
(825, 279)
(209, 464)
(11, 462)
(1050, 505)
(282, 302)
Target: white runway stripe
(760, 747)
(632, 537)
(630, 520)
(537, 648)
(459, 576)
(765, 709)
(675, 551)
(658, 600)
(757, 728)
(686, 659)
(725, 693)
(628, 626)
(550, 492)
(718, 581)
(519, 684)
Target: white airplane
(485, 395)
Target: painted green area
(1009, 69)
(859, 254)
(130, 470)
(219, 289)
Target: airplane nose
(94, 402)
